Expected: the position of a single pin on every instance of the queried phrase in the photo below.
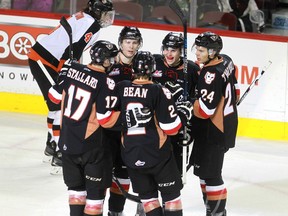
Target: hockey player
(146, 151)
(51, 51)
(129, 42)
(87, 161)
(214, 121)
(169, 72)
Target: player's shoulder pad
(226, 57)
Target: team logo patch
(139, 163)
(157, 73)
(110, 83)
(167, 93)
(209, 77)
(114, 72)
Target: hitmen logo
(15, 42)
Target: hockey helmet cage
(102, 50)
(209, 40)
(173, 40)
(144, 63)
(102, 11)
(130, 32)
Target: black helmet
(102, 11)
(209, 40)
(129, 32)
(102, 50)
(174, 40)
(144, 63)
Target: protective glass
(107, 18)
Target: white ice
(255, 173)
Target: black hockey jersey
(120, 71)
(215, 112)
(141, 145)
(84, 95)
(166, 73)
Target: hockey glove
(185, 109)
(185, 139)
(137, 117)
(176, 90)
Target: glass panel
(236, 15)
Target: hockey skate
(49, 151)
(110, 213)
(56, 163)
(140, 210)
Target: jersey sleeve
(105, 115)
(166, 113)
(210, 93)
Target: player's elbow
(109, 121)
(173, 128)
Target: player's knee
(94, 207)
(96, 194)
(77, 197)
(121, 172)
(166, 197)
(214, 181)
(150, 204)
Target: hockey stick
(46, 72)
(68, 29)
(253, 83)
(183, 17)
(129, 196)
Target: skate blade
(47, 159)
(56, 170)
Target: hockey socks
(214, 198)
(56, 125)
(117, 200)
(76, 210)
(173, 213)
(77, 201)
(155, 212)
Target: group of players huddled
(126, 114)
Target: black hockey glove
(137, 117)
(185, 109)
(176, 90)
